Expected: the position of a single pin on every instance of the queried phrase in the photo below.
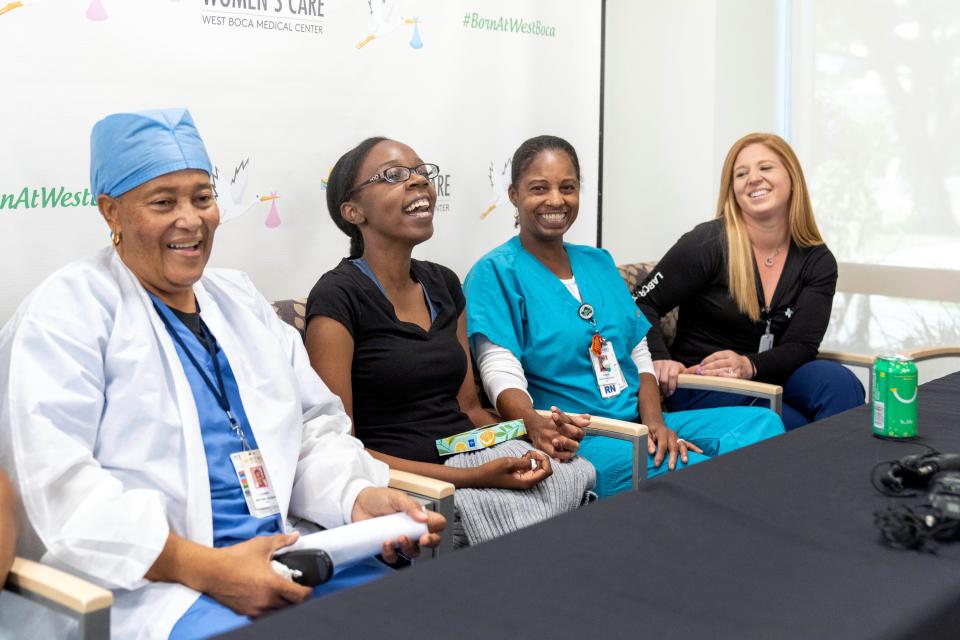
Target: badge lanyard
(766, 340)
(596, 343)
(603, 359)
(219, 392)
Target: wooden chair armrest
(771, 392)
(847, 357)
(732, 385)
(934, 352)
(421, 485)
(635, 434)
(56, 586)
(603, 426)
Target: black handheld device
(314, 565)
(916, 471)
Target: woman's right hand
(515, 473)
(667, 372)
(243, 580)
(559, 435)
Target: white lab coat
(99, 428)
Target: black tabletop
(773, 541)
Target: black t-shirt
(693, 276)
(405, 380)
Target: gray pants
(484, 514)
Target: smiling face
(392, 212)
(166, 229)
(547, 197)
(761, 183)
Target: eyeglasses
(397, 174)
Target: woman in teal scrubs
(552, 324)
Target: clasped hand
(524, 472)
(559, 435)
(725, 364)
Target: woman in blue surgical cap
(146, 395)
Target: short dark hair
(340, 184)
(531, 148)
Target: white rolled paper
(358, 541)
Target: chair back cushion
(293, 312)
(635, 273)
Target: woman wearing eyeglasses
(387, 333)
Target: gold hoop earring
(115, 238)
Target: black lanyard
(219, 392)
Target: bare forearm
(648, 400)
(185, 562)
(460, 478)
(514, 404)
(480, 417)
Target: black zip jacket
(693, 276)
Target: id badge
(256, 485)
(610, 379)
(766, 340)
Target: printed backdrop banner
(279, 90)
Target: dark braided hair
(531, 148)
(340, 183)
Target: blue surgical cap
(128, 149)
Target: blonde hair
(803, 226)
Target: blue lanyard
(219, 392)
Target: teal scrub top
(518, 304)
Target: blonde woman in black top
(755, 287)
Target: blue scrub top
(232, 522)
(520, 305)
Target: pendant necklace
(768, 260)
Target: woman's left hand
(570, 425)
(381, 501)
(726, 364)
(662, 440)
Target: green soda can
(894, 397)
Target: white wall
(684, 79)
(462, 82)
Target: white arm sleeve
(54, 382)
(499, 369)
(333, 467)
(641, 357)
